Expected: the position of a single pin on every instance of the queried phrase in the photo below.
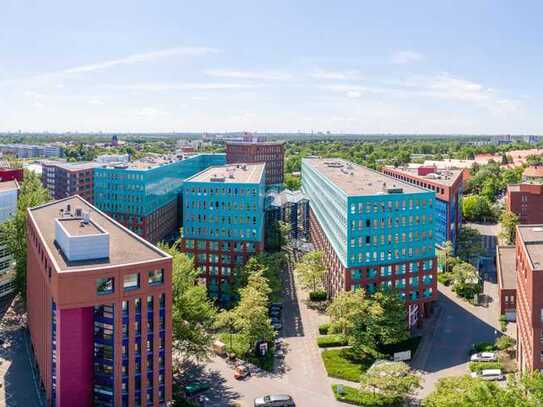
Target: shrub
(345, 364)
(330, 341)
(504, 342)
(503, 322)
(354, 396)
(324, 328)
(478, 366)
(445, 278)
(483, 347)
(318, 296)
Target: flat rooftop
(71, 166)
(532, 237)
(355, 180)
(257, 143)
(445, 177)
(125, 247)
(507, 267)
(75, 227)
(9, 185)
(231, 173)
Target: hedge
(324, 328)
(318, 296)
(356, 397)
(344, 364)
(478, 366)
(483, 347)
(330, 341)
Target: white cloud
(127, 60)
(353, 94)
(406, 57)
(336, 75)
(239, 74)
(142, 57)
(95, 102)
(160, 87)
(150, 112)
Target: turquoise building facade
(223, 222)
(146, 196)
(375, 231)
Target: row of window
(230, 220)
(389, 255)
(389, 239)
(221, 191)
(131, 281)
(224, 246)
(397, 221)
(229, 205)
(383, 206)
(221, 233)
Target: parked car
(488, 374)
(484, 357)
(276, 305)
(241, 372)
(194, 388)
(275, 312)
(275, 400)
(277, 326)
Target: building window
(131, 281)
(156, 276)
(105, 286)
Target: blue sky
(341, 66)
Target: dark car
(194, 388)
(275, 400)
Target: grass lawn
(354, 396)
(242, 351)
(343, 364)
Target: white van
(489, 374)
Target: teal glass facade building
(146, 196)
(376, 232)
(223, 222)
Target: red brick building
(271, 153)
(526, 201)
(529, 261)
(9, 174)
(99, 309)
(64, 179)
(506, 269)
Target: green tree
(13, 231)
(292, 182)
(384, 323)
(476, 208)
(508, 222)
(466, 281)
(250, 317)
(469, 244)
(346, 308)
(465, 391)
(391, 379)
(284, 232)
(311, 271)
(193, 313)
(445, 256)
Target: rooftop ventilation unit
(395, 190)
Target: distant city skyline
(349, 67)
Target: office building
(8, 206)
(270, 153)
(291, 207)
(145, 195)
(448, 186)
(506, 270)
(526, 201)
(99, 309)
(376, 232)
(7, 173)
(223, 222)
(63, 179)
(113, 159)
(529, 313)
(32, 151)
